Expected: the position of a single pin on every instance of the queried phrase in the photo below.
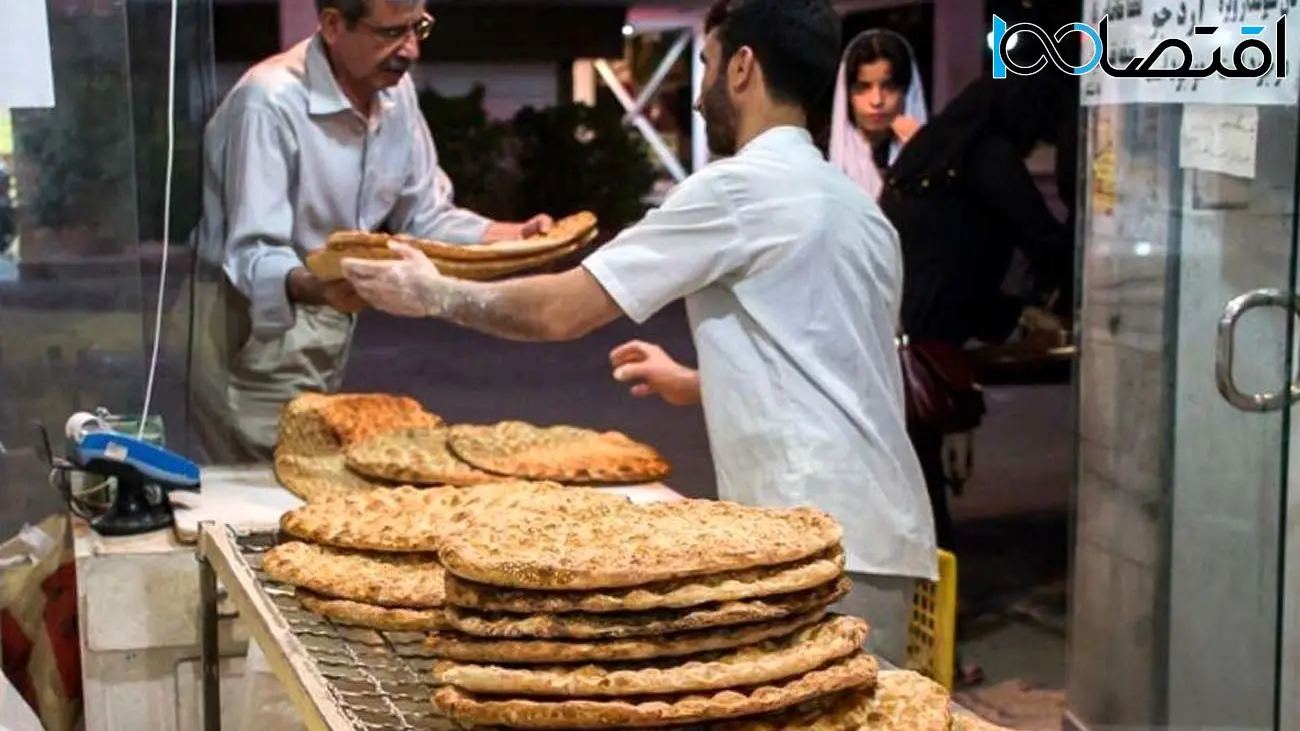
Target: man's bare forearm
(505, 310)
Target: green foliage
(471, 150)
(557, 160)
(151, 171)
(573, 157)
(75, 162)
(149, 90)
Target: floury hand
(410, 286)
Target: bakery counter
(138, 606)
(139, 601)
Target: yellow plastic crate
(932, 636)
(6, 134)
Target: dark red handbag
(939, 387)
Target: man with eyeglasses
(327, 135)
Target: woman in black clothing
(963, 200)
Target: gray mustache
(398, 65)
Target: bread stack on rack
(378, 590)
(549, 606)
(570, 610)
(472, 262)
(356, 442)
(370, 559)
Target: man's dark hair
(797, 43)
(352, 11)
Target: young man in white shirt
(792, 282)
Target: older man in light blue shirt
(325, 136)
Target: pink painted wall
(297, 21)
(959, 41)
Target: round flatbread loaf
(318, 476)
(410, 580)
(765, 662)
(852, 672)
(582, 540)
(356, 416)
(303, 429)
(354, 238)
(474, 262)
(403, 519)
(566, 454)
(413, 456)
(900, 701)
(645, 624)
(356, 614)
(314, 428)
(724, 587)
(564, 232)
(485, 270)
(454, 645)
(906, 699)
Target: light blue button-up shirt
(288, 160)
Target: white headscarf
(849, 150)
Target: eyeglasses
(393, 33)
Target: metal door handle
(1223, 354)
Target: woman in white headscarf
(879, 104)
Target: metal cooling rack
(338, 677)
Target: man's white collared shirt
(792, 278)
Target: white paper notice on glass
(26, 77)
(1220, 139)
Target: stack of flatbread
(574, 610)
(478, 262)
(315, 429)
(558, 607)
(369, 559)
(352, 442)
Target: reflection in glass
(1178, 529)
(78, 271)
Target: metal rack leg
(211, 653)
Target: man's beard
(719, 120)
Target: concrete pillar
(297, 21)
(959, 42)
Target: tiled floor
(1013, 557)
